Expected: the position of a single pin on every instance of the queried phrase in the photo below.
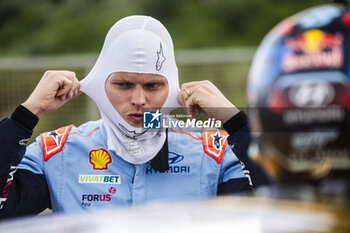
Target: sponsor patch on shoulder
(214, 143)
(53, 141)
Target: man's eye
(123, 85)
(153, 85)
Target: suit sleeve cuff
(25, 117)
(234, 123)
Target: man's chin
(135, 124)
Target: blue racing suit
(71, 169)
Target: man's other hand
(55, 88)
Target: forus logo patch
(89, 199)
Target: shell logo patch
(214, 143)
(99, 159)
(53, 142)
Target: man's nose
(138, 97)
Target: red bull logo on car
(312, 50)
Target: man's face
(131, 93)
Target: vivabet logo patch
(99, 179)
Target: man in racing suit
(91, 166)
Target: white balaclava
(137, 44)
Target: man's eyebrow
(121, 80)
(137, 80)
(155, 80)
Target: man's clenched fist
(55, 88)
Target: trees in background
(39, 27)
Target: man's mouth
(136, 117)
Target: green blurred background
(213, 39)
